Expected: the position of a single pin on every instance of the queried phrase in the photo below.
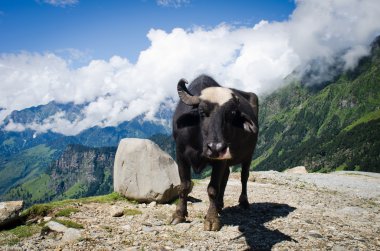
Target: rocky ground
(287, 212)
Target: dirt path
(290, 212)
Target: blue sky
(103, 28)
(123, 58)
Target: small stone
(132, 249)
(152, 204)
(32, 221)
(71, 235)
(47, 218)
(116, 211)
(147, 229)
(339, 248)
(55, 226)
(126, 227)
(315, 234)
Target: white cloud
(60, 3)
(172, 3)
(254, 59)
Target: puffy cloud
(258, 58)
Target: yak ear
(188, 119)
(248, 124)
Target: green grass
(69, 223)
(25, 165)
(75, 191)
(341, 167)
(365, 119)
(40, 210)
(13, 236)
(129, 211)
(25, 231)
(66, 212)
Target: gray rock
(117, 211)
(10, 212)
(143, 172)
(55, 226)
(315, 234)
(71, 235)
(152, 204)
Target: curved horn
(185, 95)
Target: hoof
(243, 202)
(212, 224)
(177, 219)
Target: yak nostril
(220, 147)
(210, 146)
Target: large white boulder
(143, 172)
(10, 212)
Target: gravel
(338, 211)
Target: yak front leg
(243, 199)
(180, 213)
(223, 184)
(212, 221)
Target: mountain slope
(332, 128)
(79, 172)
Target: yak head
(218, 112)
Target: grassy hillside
(23, 166)
(79, 172)
(328, 129)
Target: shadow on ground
(251, 223)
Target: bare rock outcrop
(10, 212)
(143, 172)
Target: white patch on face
(218, 95)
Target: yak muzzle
(219, 151)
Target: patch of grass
(37, 210)
(67, 211)
(69, 223)
(107, 228)
(341, 167)
(105, 198)
(129, 211)
(11, 242)
(41, 210)
(25, 231)
(13, 236)
(366, 118)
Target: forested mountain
(335, 127)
